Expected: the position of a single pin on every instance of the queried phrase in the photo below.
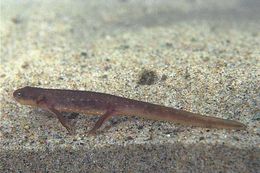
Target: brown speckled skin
(99, 103)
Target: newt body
(88, 102)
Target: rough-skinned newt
(59, 100)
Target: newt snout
(25, 96)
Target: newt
(106, 105)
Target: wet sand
(200, 57)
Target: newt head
(26, 96)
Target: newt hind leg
(108, 114)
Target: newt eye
(18, 94)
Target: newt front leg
(41, 100)
(62, 120)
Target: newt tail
(58, 100)
(157, 112)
